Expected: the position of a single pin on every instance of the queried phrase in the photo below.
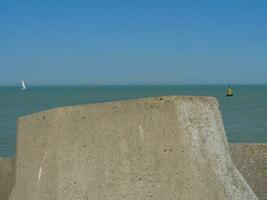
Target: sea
(244, 114)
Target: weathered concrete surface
(160, 148)
(251, 161)
(7, 177)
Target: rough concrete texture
(7, 177)
(251, 161)
(159, 148)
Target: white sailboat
(23, 85)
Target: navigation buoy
(229, 91)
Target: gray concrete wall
(7, 177)
(158, 148)
(251, 161)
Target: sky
(133, 42)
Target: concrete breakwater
(157, 148)
(7, 177)
(250, 160)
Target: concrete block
(158, 148)
(7, 177)
(251, 161)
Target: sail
(23, 85)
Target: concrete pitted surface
(7, 177)
(159, 148)
(251, 161)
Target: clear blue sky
(133, 42)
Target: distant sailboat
(229, 91)
(23, 85)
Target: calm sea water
(244, 115)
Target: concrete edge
(157, 98)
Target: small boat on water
(229, 91)
(23, 85)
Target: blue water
(244, 115)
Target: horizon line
(125, 84)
